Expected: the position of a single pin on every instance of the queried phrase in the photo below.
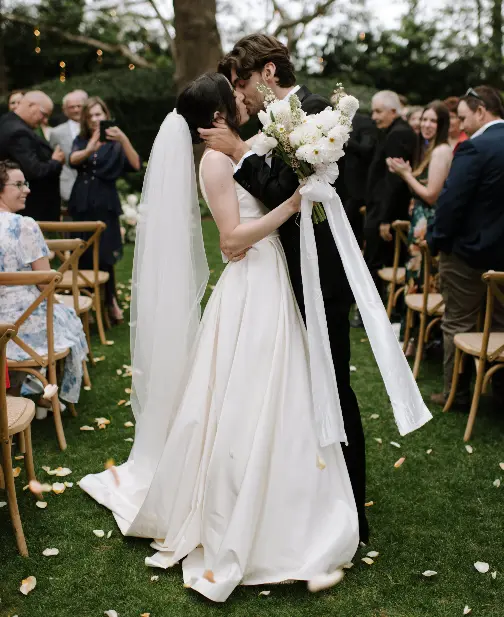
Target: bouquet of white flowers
(310, 144)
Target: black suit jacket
(469, 219)
(351, 183)
(387, 195)
(20, 143)
(273, 185)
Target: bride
(227, 471)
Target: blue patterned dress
(22, 243)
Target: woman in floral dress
(23, 249)
(425, 182)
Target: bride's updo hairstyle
(203, 97)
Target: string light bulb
(36, 32)
(131, 67)
(37, 50)
(362, 36)
(62, 64)
(99, 54)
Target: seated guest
(387, 196)
(413, 118)
(14, 99)
(94, 195)
(64, 135)
(468, 230)
(456, 135)
(425, 182)
(40, 165)
(24, 249)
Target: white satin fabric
(240, 489)
(410, 411)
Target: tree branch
(86, 40)
(164, 23)
(287, 24)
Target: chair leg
(390, 301)
(476, 397)
(409, 319)
(85, 324)
(60, 433)
(99, 318)
(12, 499)
(85, 374)
(420, 345)
(106, 317)
(21, 443)
(73, 411)
(457, 369)
(28, 460)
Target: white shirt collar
(485, 127)
(293, 91)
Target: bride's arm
(223, 201)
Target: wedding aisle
(439, 511)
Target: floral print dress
(22, 243)
(421, 216)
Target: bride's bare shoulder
(216, 163)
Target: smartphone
(105, 124)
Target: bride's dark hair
(202, 98)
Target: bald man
(39, 163)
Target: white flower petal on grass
(41, 504)
(494, 574)
(68, 484)
(36, 487)
(128, 424)
(482, 567)
(50, 552)
(99, 533)
(58, 488)
(372, 554)
(374, 416)
(496, 483)
(49, 391)
(429, 450)
(320, 462)
(325, 581)
(119, 371)
(467, 610)
(27, 585)
(368, 560)
(353, 369)
(395, 444)
(16, 471)
(469, 449)
(129, 439)
(368, 504)
(264, 593)
(63, 471)
(347, 566)
(19, 458)
(429, 573)
(501, 465)
(111, 613)
(87, 428)
(3, 504)
(154, 578)
(378, 440)
(87, 388)
(109, 534)
(399, 462)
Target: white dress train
(241, 490)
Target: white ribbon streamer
(410, 411)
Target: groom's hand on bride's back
(230, 254)
(223, 139)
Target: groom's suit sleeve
(273, 185)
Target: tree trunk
(496, 44)
(197, 40)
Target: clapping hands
(399, 166)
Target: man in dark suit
(40, 165)
(260, 59)
(468, 231)
(388, 196)
(354, 166)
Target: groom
(261, 59)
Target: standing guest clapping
(64, 135)
(455, 135)
(41, 165)
(94, 195)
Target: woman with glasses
(22, 248)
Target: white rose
(263, 144)
(348, 105)
(132, 200)
(264, 118)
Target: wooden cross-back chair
(68, 253)
(487, 348)
(428, 305)
(35, 362)
(89, 282)
(16, 415)
(396, 275)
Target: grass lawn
(439, 511)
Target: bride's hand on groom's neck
(223, 139)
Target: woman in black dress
(94, 196)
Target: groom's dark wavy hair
(253, 52)
(204, 96)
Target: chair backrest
(7, 331)
(401, 229)
(427, 270)
(94, 228)
(495, 286)
(68, 252)
(49, 279)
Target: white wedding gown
(241, 491)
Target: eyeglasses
(472, 92)
(19, 185)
